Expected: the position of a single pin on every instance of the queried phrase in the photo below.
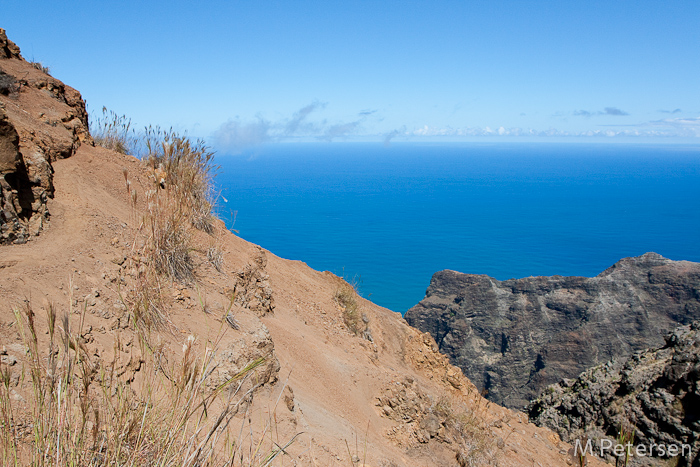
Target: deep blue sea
(392, 216)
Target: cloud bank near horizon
(665, 128)
(235, 135)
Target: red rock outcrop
(41, 120)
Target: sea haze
(392, 216)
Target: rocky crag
(27, 151)
(655, 392)
(514, 338)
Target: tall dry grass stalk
(87, 412)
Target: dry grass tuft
(169, 236)
(145, 298)
(346, 297)
(188, 169)
(216, 257)
(40, 67)
(114, 132)
(468, 431)
(88, 412)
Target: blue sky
(246, 72)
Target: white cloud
(234, 136)
(393, 134)
(340, 130)
(686, 127)
(297, 123)
(683, 126)
(614, 111)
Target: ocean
(389, 217)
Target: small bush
(8, 84)
(468, 431)
(180, 200)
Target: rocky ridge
(655, 392)
(27, 151)
(514, 338)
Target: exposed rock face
(253, 345)
(655, 391)
(513, 338)
(422, 418)
(8, 49)
(10, 164)
(252, 289)
(41, 120)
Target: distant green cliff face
(514, 338)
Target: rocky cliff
(513, 338)
(27, 151)
(655, 392)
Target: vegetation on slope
(85, 412)
(84, 409)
